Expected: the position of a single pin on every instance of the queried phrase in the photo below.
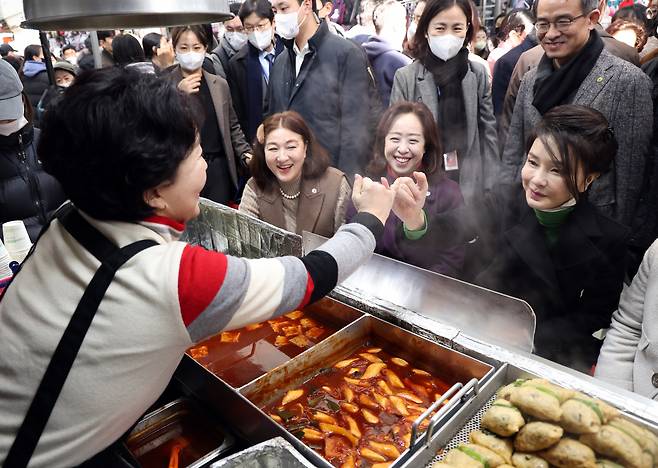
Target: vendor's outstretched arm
(219, 292)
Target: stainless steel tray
(273, 453)
(449, 365)
(457, 427)
(332, 313)
(168, 413)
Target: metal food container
(246, 420)
(252, 359)
(454, 368)
(456, 427)
(160, 428)
(273, 453)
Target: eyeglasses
(259, 28)
(562, 24)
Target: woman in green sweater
(540, 240)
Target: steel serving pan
(457, 369)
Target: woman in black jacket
(26, 192)
(543, 242)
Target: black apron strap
(111, 258)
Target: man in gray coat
(530, 58)
(575, 69)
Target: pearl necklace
(289, 197)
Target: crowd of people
(525, 164)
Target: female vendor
(125, 147)
(544, 242)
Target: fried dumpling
(528, 460)
(569, 453)
(503, 418)
(502, 447)
(538, 401)
(581, 415)
(471, 455)
(537, 436)
(607, 464)
(617, 444)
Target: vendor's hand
(373, 197)
(191, 84)
(164, 57)
(410, 199)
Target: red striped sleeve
(310, 286)
(200, 277)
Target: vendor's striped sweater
(161, 302)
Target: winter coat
(233, 140)
(385, 61)
(629, 355)
(332, 92)
(26, 191)
(35, 81)
(622, 93)
(479, 165)
(445, 257)
(573, 287)
(529, 60)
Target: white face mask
(261, 39)
(10, 128)
(411, 32)
(236, 39)
(446, 46)
(190, 61)
(286, 25)
(72, 60)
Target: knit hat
(66, 66)
(11, 100)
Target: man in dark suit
(326, 79)
(248, 72)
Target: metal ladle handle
(415, 426)
(472, 384)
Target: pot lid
(49, 15)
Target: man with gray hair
(385, 49)
(575, 69)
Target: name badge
(450, 161)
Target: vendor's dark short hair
(126, 49)
(262, 8)
(583, 138)
(317, 159)
(116, 134)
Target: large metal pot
(103, 14)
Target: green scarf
(552, 221)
